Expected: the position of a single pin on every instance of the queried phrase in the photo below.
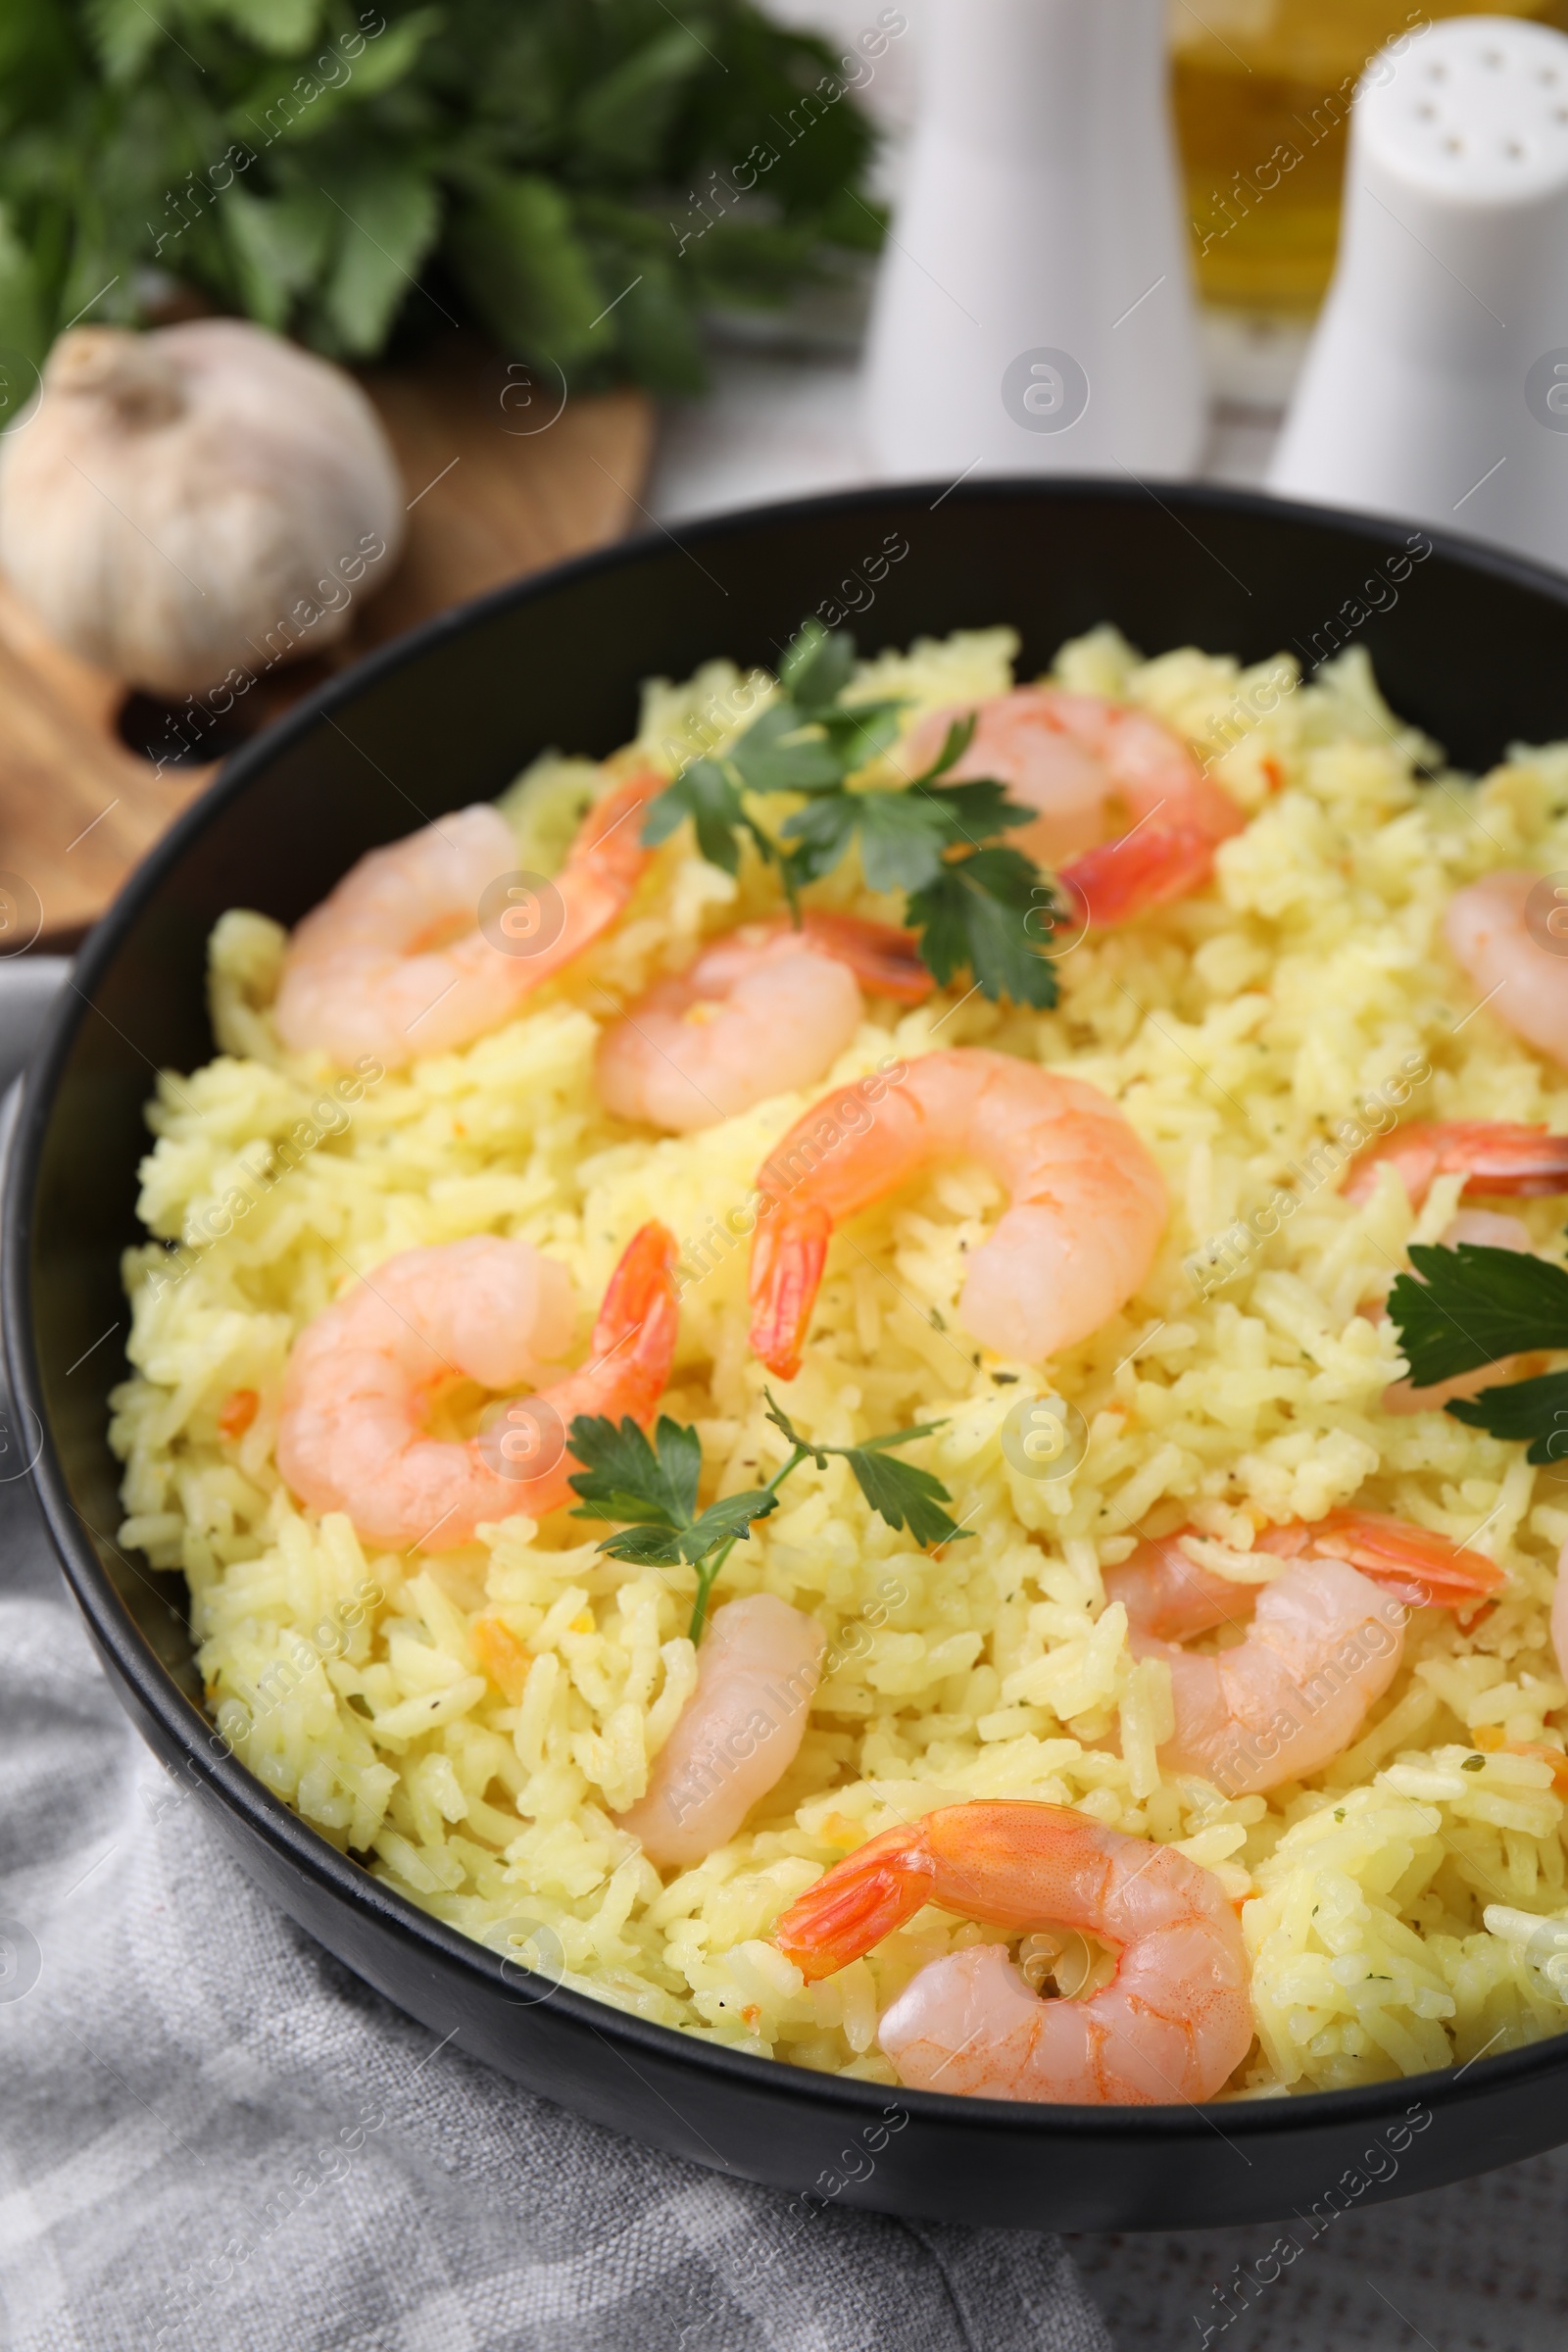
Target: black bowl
(1469, 644)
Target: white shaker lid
(1422, 394)
(1474, 110)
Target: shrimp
(1086, 1212)
(1522, 974)
(393, 964)
(1174, 2023)
(737, 1735)
(762, 1012)
(1325, 1641)
(351, 1436)
(1494, 1156)
(1090, 766)
(1485, 1228)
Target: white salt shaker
(1034, 311)
(1437, 383)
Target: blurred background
(1261, 91)
(603, 265)
(362, 179)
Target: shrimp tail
(1497, 1157)
(884, 959)
(1422, 1568)
(788, 1257)
(856, 1904)
(1148, 867)
(1517, 1163)
(606, 844)
(639, 1319)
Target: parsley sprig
(967, 894)
(349, 175)
(652, 1487)
(1470, 1305)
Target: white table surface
(781, 424)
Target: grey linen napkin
(211, 2135)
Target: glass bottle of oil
(1263, 91)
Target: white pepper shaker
(1034, 311)
(1437, 383)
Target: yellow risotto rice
(1239, 1030)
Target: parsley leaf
(703, 793)
(511, 165)
(906, 837)
(818, 666)
(966, 894)
(973, 813)
(727, 1522)
(774, 756)
(1472, 1304)
(900, 840)
(1536, 1409)
(971, 916)
(652, 1490)
(903, 837)
(896, 1490)
(861, 733)
(959, 736)
(622, 1471)
(904, 1496)
(623, 1477)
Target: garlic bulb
(200, 499)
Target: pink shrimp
(1174, 2023)
(351, 1434)
(1325, 1641)
(1482, 1227)
(1515, 954)
(1495, 1157)
(762, 1012)
(737, 1735)
(394, 963)
(1093, 768)
(1087, 1210)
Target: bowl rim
(268, 1818)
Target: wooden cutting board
(502, 478)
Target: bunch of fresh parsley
(652, 1490)
(1470, 1305)
(581, 178)
(967, 894)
